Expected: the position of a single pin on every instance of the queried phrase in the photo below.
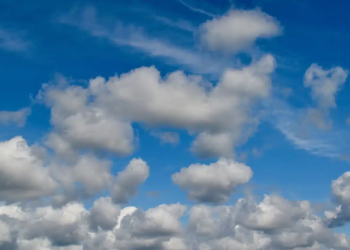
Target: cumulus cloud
(104, 214)
(82, 125)
(198, 182)
(18, 118)
(89, 176)
(23, 175)
(238, 30)
(101, 114)
(126, 183)
(94, 120)
(273, 213)
(84, 178)
(272, 223)
(341, 192)
(26, 176)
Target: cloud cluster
(26, 176)
(43, 188)
(66, 224)
(273, 223)
(99, 116)
(22, 173)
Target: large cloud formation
(273, 223)
(100, 115)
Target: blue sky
(294, 137)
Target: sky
(174, 125)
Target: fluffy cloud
(126, 183)
(100, 116)
(104, 214)
(15, 117)
(26, 176)
(72, 227)
(90, 172)
(197, 180)
(23, 175)
(273, 213)
(269, 224)
(90, 176)
(341, 192)
(82, 125)
(238, 30)
(324, 84)
(63, 227)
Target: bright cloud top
(238, 30)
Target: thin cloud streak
(135, 38)
(327, 143)
(180, 24)
(197, 9)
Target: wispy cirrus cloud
(198, 10)
(135, 38)
(303, 135)
(11, 40)
(179, 24)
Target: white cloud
(179, 24)
(135, 38)
(238, 30)
(126, 183)
(198, 182)
(311, 128)
(92, 173)
(104, 214)
(197, 10)
(80, 125)
(273, 213)
(5, 233)
(101, 114)
(89, 176)
(167, 137)
(23, 175)
(341, 193)
(15, 117)
(273, 223)
(208, 145)
(325, 84)
(63, 227)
